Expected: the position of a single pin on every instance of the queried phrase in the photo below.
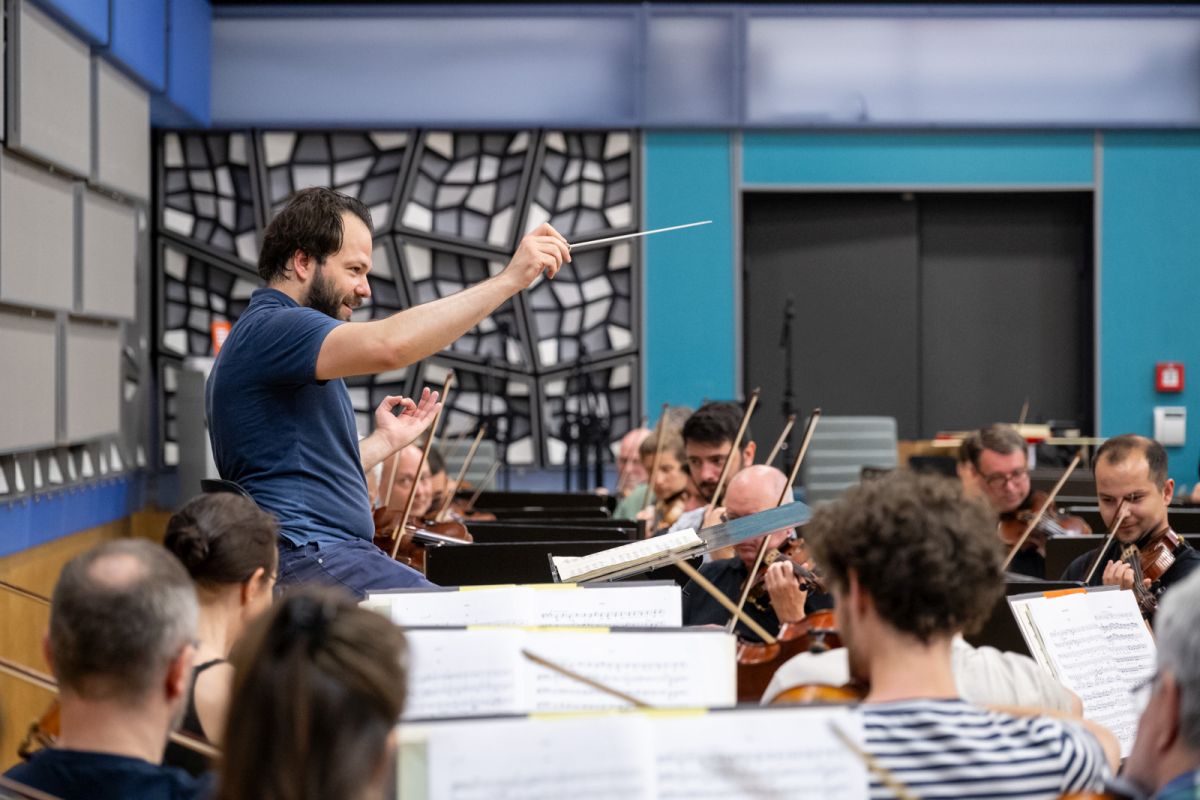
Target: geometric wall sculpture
(449, 208)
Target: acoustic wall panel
(27, 361)
(50, 113)
(93, 380)
(109, 256)
(37, 235)
(121, 157)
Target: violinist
(708, 437)
(227, 545)
(674, 491)
(997, 468)
(280, 418)
(439, 481)
(121, 645)
(1165, 760)
(401, 471)
(1131, 478)
(911, 562)
(780, 598)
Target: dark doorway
(943, 310)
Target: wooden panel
(27, 360)
(37, 235)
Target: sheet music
(582, 567)
(630, 605)
(494, 605)
(1131, 648)
(760, 754)
(666, 670)
(591, 758)
(1079, 655)
(456, 672)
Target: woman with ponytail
(227, 544)
(319, 687)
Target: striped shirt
(951, 749)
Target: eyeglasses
(998, 479)
(1141, 691)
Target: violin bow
(736, 448)
(787, 491)
(873, 766)
(1041, 512)
(398, 531)
(659, 439)
(1108, 540)
(47, 682)
(462, 473)
(787, 428)
(586, 681)
(716, 594)
(491, 473)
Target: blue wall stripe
(689, 310)
(29, 522)
(189, 58)
(1149, 283)
(138, 39)
(86, 18)
(918, 158)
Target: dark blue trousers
(356, 565)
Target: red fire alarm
(1168, 376)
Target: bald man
(753, 489)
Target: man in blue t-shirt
(279, 414)
(122, 641)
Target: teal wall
(1149, 232)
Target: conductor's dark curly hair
(927, 555)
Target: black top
(177, 755)
(699, 608)
(1186, 560)
(82, 775)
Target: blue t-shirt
(285, 437)
(77, 774)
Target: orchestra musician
(911, 562)
(280, 418)
(227, 545)
(123, 622)
(1131, 478)
(439, 481)
(320, 684)
(996, 466)
(674, 491)
(1165, 760)
(755, 488)
(401, 470)
(708, 437)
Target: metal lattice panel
(583, 183)
(605, 393)
(364, 165)
(505, 402)
(587, 310)
(208, 192)
(196, 293)
(467, 187)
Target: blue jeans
(356, 565)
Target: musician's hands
(403, 429)
(542, 250)
(713, 516)
(787, 598)
(1118, 573)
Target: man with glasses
(993, 463)
(1131, 479)
(1165, 760)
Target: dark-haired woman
(228, 546)
(319, 687)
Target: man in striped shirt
(911, 561)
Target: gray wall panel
(109, 256)
(27, 364)
(37, 235)
(50, 115)
(93, 391)
(121, 159)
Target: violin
(1051, 523)
(757, 662)
(416, 536)
(1150, 558)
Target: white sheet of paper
(494, 605)
(759, 753)
(456, 672)
(589, 758)
(696, 669)
(1079, 656)
(570, 567)
(1131, 647)
(617, 605)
